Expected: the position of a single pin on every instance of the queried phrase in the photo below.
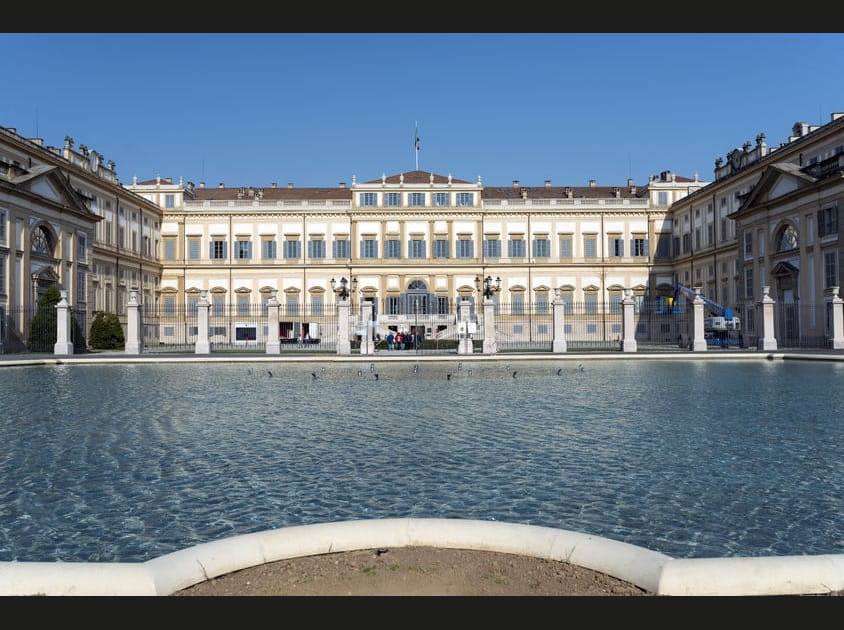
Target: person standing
(391, 339)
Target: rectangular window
(748, 243)
(828, 221)
(416, 248)
(2, 225)
(192, 305)
(169, 249)
(591, 304)
(393, 305)
(217, 249)
(340, 248)
(518, 306)
(697, 238)
(368, 199)
(121, 236)
(392, 248)
(616, 246)
(217, 305)
(541, 248)
(687, 242)
(416, 199)
(676, 241)
(316, 249)
(146, 245)
(316, 305)
(662, 244)
(217, 331)
(710, 234)
(465, 248)
(748, 282)
(243, 304)
(565, 246)
(193, 248)
(662, 198)
(441, 249)
(169, 201)
(80, 285)
(369, 248)
(492, 248)
(590, 246)
(541, 303)
(2, 275)
(292, 249)
(392, 199)
(81, 247)
(830, 269)
(170, 305)
(465, 199)
(268, 249)
(243, 250)
(516, 248)
(639, 246)
(440, 199)
(442, 305)
(292, 304)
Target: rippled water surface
(690, 458)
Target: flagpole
(416, 145)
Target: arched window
(41, 241)
(788, 239)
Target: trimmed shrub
(106, 332)
(42, 330)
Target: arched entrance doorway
(787, 297)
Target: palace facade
(416, 242)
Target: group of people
(402, 341)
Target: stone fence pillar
(490, 342)
(628, 343)
(836, 319)
(367, 345)
(63, 346)
(203, 345)
(344, 346)
(767, 340)
(134, 328)
(273, 342)
(698, 337)
(559, 345)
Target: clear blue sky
(315, 109)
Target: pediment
(49, 183)
(777, 181)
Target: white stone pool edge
(650, 570)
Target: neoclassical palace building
(416, 242)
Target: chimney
(342, 184)
(202, 184)
(221, 185)
(515, 183)
(290, 184)
(38, 141)
(547, 183)
(272, 184)
(592, 183)
(629, 183)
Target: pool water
(127, 462)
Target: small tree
(106, 332)
(42, 330)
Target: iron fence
(21, 333)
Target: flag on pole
(417, 136)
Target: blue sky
(316, 109)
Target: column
(698, 339)
(273, 343)
(367, 345)
(490, 342)
(837, 341)
(63, 346)
(767, 341)
(464, 345)
(203, 346)
(559, 344)
(344, 347)
(628, 343)
(134, 338)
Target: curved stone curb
(650, 570)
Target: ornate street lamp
(490, 286)
(343, 290)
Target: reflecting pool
(126, 462)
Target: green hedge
(106, 332)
